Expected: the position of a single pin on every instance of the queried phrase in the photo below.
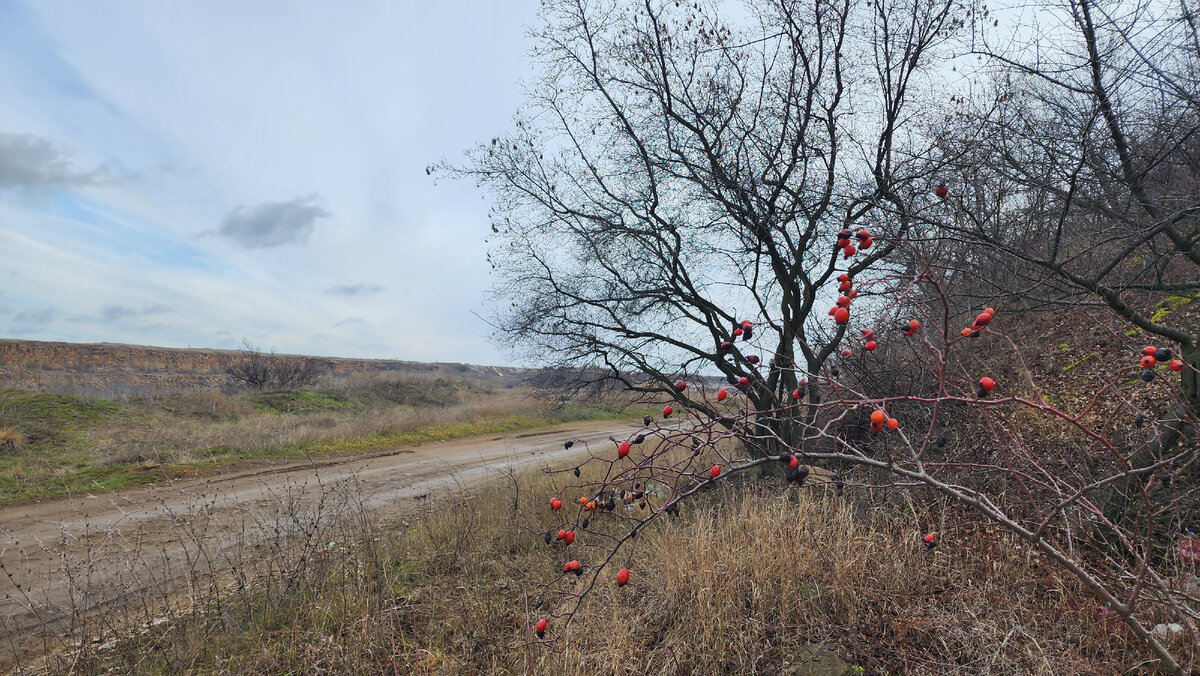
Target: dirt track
(77, 561)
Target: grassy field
(53, 443)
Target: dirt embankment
(118, 369)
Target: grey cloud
(354, 289)
(33, 165)
(273, 224)
(113, 313)
(37, 317)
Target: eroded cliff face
(134, 369)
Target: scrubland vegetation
(740, 581)
(750, 574)
(53, 442)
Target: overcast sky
(189, 174)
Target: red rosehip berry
(622, 577)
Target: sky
(196, 174)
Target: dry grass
(11, 440)
(739, 582)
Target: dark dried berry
(1162, 354)
(576, 471)
(586, 522)
(610, 505)
(549, 537)
(646, 421)
(639, 439)
(1148, 375)
(569, 444)
(797, 475)
(579, 572)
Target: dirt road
(71, 566)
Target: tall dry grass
(739, 582)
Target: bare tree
(253, 368)
(683, 189)
(677, 173)
(1077, 177)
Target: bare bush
(256, 369)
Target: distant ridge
(113, 367)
